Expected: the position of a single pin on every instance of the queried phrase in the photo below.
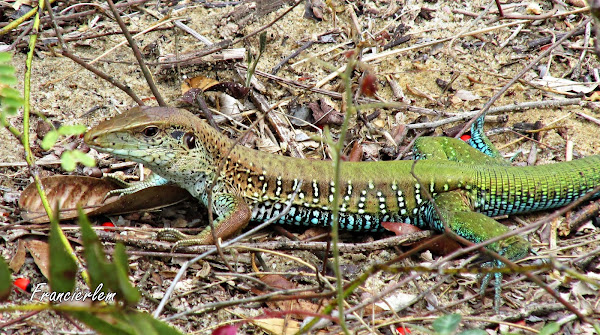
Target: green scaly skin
(466, 185)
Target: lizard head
(155, 136)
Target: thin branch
(138, 55)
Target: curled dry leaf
(19, 258)
(564, 86)
(300, 115)
(189, 97)
(325, 114)
(229, 105)
(70, 191)
(265, 144)
(236, 90)
(66, 192)
(147, 199)
(443, 246)
(396, 301)
(200, 82)
(313, 9)
(39, 251)
(277, 281)
(356, 153)
(368, 84)
(400, 228)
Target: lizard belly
(299, 215)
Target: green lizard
(467, 185)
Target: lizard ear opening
(189, 140)
(150, 131)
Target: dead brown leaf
(39, 250)
(325, 114)
(19, 258)
(66, 192)
(356, 153)
(70, 191)
(200, 82)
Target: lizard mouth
(91, 139)
(101, 142)
(113, 143)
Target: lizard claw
(180, 239)
(513, 248)
(497, 284)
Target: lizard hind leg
(456, 211)
(446, 148)
(233, 214)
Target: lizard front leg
(233, 214)
(130, 188)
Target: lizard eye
(190, 140)
(150, 131)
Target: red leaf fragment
(356, 153)
(277, 281)
(22, 283)
(226, 330)
(400, 228)
(109, 225)
(368, 85)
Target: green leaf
(102, 326)
(126, 322)
(13, 102)
(130, 294)
(145, 324)
(140, 325)
(63, 268)
(83, 158)
(9, 110)
(473, 332)
(8, 79)
(67, 161)
(5, 282)
(68, 130)
(7, 70)
(101, 271)
(9, 92)
(5, 57)
(447, 324)
(549, 329)
(49, 140)
(262, 42)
